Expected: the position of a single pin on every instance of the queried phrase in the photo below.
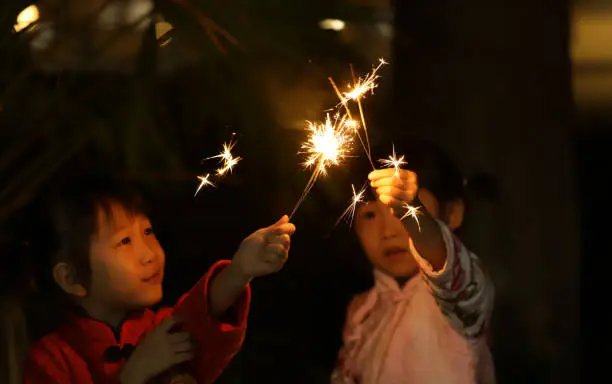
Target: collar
(82, 328)
(387, 287)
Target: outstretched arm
(217, 338)
(461, 287)
(453, 274)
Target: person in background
(427, 317)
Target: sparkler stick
(363, 121)
(227, 161)
(358, 90)
(354, 123)
(328, 144)
(360, 87)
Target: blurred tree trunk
(13, 340)
(490, 82)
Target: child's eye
(369, 215)
(125, 241)
(148, 231)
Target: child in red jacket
(107, 260)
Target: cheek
(368, 241)
(111, 275)
(156, 247)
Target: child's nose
(389, 227)
(149, 253)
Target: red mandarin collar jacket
(86, 351)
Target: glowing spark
(412, 211)
(363, 85)
(227, 159)
(204, 181)
(349, 213)
(352, 125)
(394, 162)
(356, 92)
(328, 144)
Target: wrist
(237, 274)
(128, 377)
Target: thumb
(283, 220)
(169, 323)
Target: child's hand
(265, 251)
(159, 351)
(394, 189)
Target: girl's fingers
(281, 229)
(179, 337)
(392, 181)
(380, 173)
(403, 174)
(275, 253)
(395, 192)
(284, 240)
(181, 357)
(184, 346)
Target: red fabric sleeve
(45, 365)
(217, 341)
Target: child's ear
(454, 214)
(65, 276)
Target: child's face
(384, 238)
(127, 262)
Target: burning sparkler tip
(412, 212)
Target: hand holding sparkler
(398, 192)
(265, 251)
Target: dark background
(489, 81)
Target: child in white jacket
(426, 318)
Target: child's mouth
(395, 252)
(154, 279)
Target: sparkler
(227, 163)
(358, 90)
(412, 211)
(393, 161)
(349, 213)
(204, 181)
(328, 144)
(226, 158)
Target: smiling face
(127, 261)
(384, 238)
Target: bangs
(76, 206)
(131, 204)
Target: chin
(401, 269)
(151, 298)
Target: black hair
(436, 171)
(67, 219)
(59, 227)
